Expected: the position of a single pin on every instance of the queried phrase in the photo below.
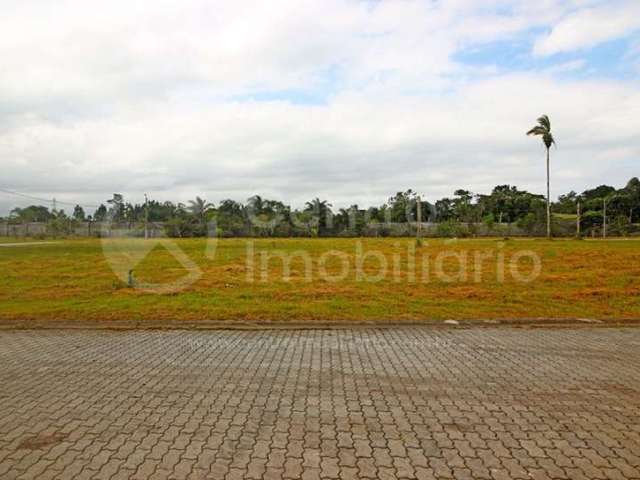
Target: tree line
(458, 215)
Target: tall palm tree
(321, 210)
(543, 129)
(317, 205)
(256, 203)
(199, 209)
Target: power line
(51, 201)
(31, 197)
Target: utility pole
(604, 218)
(578, 221)
(419, 219)
(146, 217)
(55, 205)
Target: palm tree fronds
(538, 130)
(545, 122)
(543, 129)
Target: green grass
(73, 280)
(566, 216)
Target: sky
(346, 100)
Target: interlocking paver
(415, 403)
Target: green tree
(567, 203)
(200, 208)
(321, 214)
(100, 214)
(462, 207)
(32, 213)
(543, 129)
(231, 218)
(633, 191)
(116, 212)
(265, 216)
(78, 213)
(60, 224)
(444, 209)
(403, 207)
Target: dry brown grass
(72, 280)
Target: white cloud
(121, 96)
(128, 50)
(355, 149)
(570, 66)
(590, 26)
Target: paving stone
(414, 403)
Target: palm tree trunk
(548, 200)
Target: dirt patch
(40, 441)
(26, 244)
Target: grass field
(74, 280)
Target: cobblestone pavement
(391, 403)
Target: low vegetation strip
(301, 280)
(506, 211)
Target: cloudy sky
(349, 100)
